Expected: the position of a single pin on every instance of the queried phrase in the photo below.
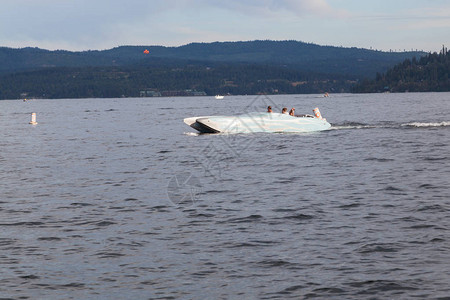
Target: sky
(78, 25)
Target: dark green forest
(296, 55)
(107, 82)
(429, 73)
(253, 67)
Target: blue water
(119, 199)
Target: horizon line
(223, 42)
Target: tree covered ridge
(294, 54)
(249, 67)
(111, 82)
(429, 73)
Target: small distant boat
(219, 97)
(259, 122)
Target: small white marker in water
(33, 119)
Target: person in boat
(292, 111)
(284, 110)
(269, 109)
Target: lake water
(119, 199)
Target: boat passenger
(284, 110)
(269, 109)
(292, 111)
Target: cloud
(78, 23)
(429, 18)
(297, 7)
(413, 19)
(100, 24)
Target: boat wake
(191, 133)
(420, 124)
(354, 125)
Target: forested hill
(292, 54)
(427, 74)
(254, 67)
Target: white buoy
(33, 119)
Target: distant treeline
(296, 55)
(427, 74)
(104, 82)
(252, 67)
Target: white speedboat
(219, 97)
(258, 122)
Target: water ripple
(359, 211)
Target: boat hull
(257, 122)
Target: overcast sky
(104, 24)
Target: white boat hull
(257, 122)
